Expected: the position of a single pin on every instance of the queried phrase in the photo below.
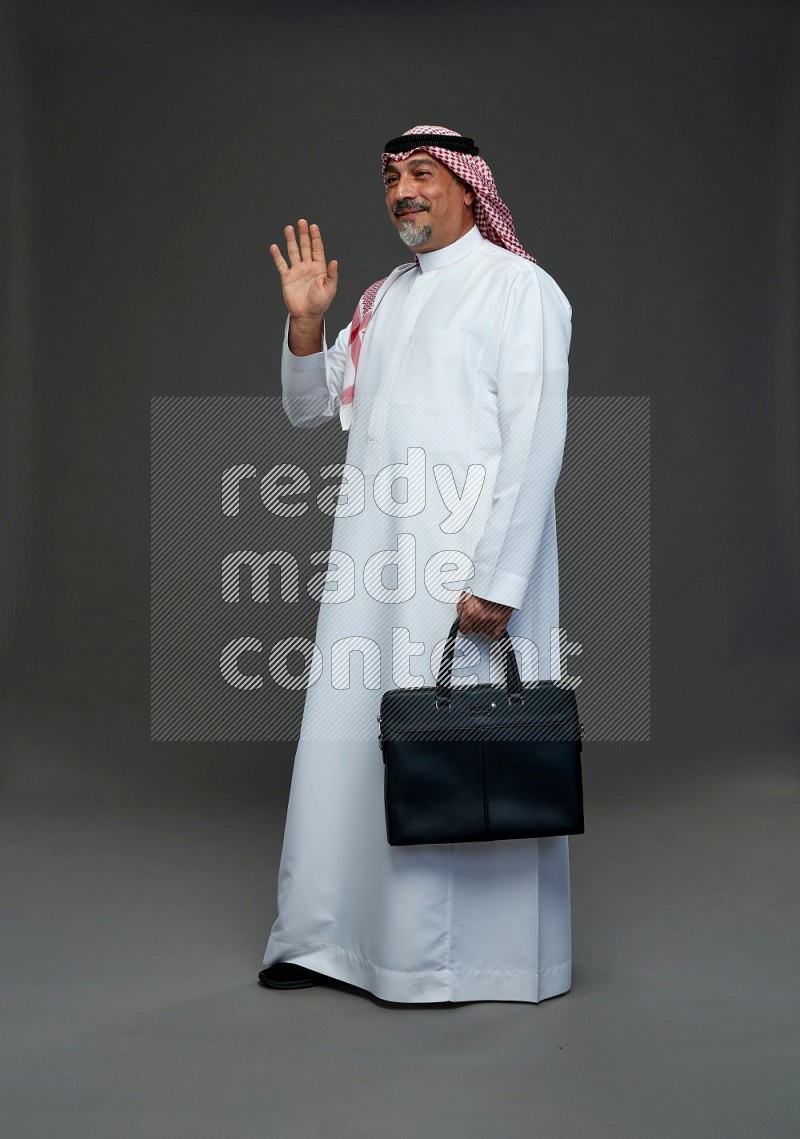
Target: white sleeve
(531, 391)
(312, 385)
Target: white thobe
(464, 364)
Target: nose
(404, 186)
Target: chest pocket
(431, 375)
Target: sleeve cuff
(313, 363)
(501, 587)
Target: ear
(469, 196)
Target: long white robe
(465, 359)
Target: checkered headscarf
(492, 217)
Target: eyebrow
(415, 162)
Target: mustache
(409, 204)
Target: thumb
(333, 271)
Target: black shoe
(287, 975)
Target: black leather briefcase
(478, 763)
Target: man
(452, 382)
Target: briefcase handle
(445, 678)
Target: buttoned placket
(420, 286)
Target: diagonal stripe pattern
(233, 617)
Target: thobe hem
(430, 986)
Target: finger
(317, 248)
(291, 246)
(277, 257)
(480, 618)
(502, 626)
(333, 271)
(304, 239)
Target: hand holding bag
(480, 763)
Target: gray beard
(414, 236)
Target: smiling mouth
(410, 213)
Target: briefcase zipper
(468, 730)
(428, 731)
(438, 733)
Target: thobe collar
(438, 258)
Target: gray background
(151, 153)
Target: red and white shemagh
(492, 217)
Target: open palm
(308, 283)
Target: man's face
(428, 206)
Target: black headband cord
(446, 141)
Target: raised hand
(308, 283)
